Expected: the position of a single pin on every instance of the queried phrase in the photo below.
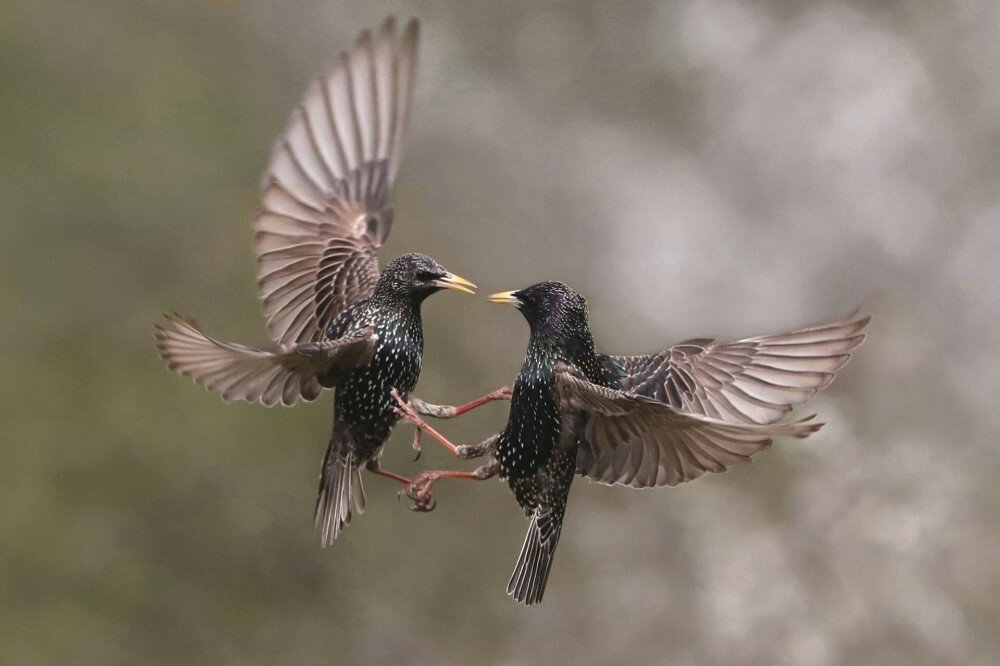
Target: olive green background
(717, 167)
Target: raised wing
(279, 373)
(756, 380)
(636, 441)
(325, 206)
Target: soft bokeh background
(699, 167)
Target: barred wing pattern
(325, 207)
(637, 441)
(756, 380)
(281, 373)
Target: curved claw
(423, 508)
(417, 446)
(421, 498)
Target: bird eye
(425, 276)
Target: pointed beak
(456, 282)
(505, 298)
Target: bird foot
(502, 393)
(406, 412)
(419, 491)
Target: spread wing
(756, 380)
(278, 373)
(325, 206)
(637, 441)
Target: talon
(417, 446)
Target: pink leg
(405, 411)
(503, 393)
(391, 475)
(418, 406)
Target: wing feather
(755, 380)
(325, 207)
(638, 441)
(281, 373)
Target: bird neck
(403, 302)
(550, 345)
(541, 358)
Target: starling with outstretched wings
(335, 320)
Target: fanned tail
(527, 583)
(340, 490)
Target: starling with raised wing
(335, 320)
(641, 421)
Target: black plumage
(537, 449)
(642, 421)
(364, 408)
(335, 320)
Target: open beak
(505, 298)
(455, 282)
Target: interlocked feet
(419, 492)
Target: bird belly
(527, 443)
(364, 401)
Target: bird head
(551, 308)
(417, 276)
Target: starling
(335, 321)
(640, 421)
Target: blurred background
(710, 167)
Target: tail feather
(531, 573)
(527, 583)
(340, 492)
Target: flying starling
(640, 421)
(335, 321)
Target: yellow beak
(456, 282)
(504, 298)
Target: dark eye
(425, 276)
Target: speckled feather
(363, 400)
(363, 403)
